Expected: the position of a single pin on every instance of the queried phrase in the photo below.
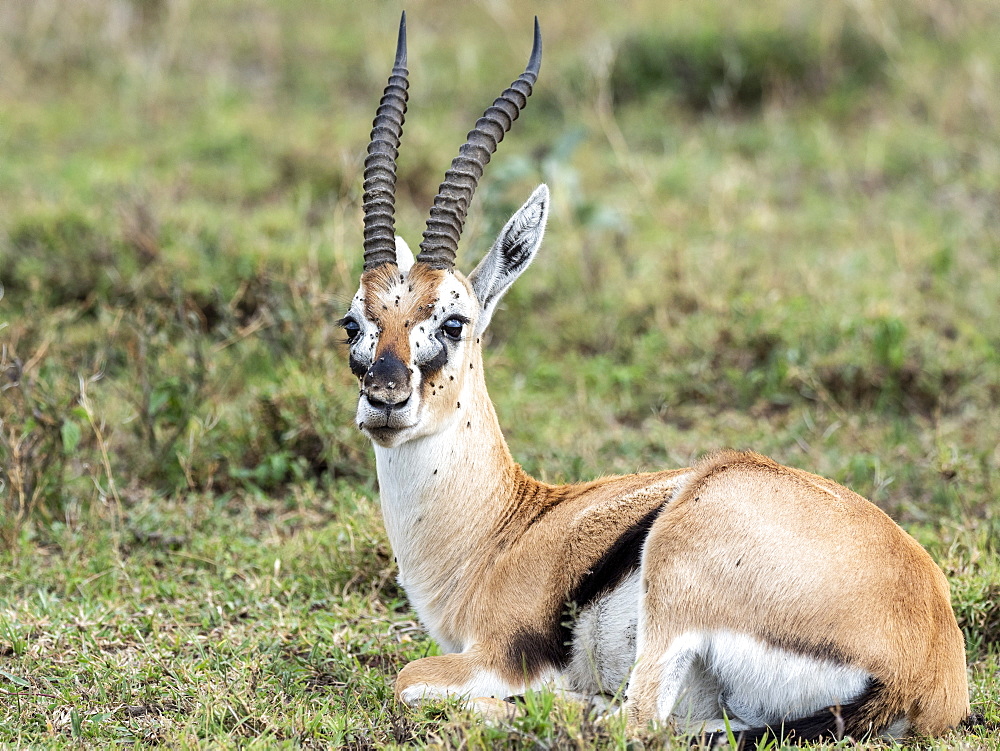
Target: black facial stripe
(357, 366)
(430, 368)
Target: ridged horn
(380, 164)
(451, 204)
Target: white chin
(386, 431)
(388, 437)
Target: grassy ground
(774, 226)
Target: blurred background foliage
(773, 225)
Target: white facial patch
(363, 348)
(452, 302)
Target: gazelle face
(409, 331)
(414, 330)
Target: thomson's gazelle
(736, 589)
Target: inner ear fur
(512, 252)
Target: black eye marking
(449, 332)
(351, 327)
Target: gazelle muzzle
(386, 385)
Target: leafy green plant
(42, 431)
(170, 383)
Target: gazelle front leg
(485, 690)
(470, 675)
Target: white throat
(441, 495)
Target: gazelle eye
(352, 328)
(452, 328)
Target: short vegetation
(775, 226)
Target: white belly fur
(752, 682)
(604, 633)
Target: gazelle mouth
(384, 422)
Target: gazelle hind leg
(662, 679)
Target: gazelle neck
(443, 493)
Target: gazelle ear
(510, 255)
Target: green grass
(773, 227)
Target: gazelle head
(414, 326)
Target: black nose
(387, 382)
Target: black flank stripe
(819, 650)
(530, 652)
(830, 724)
(533, 651)
(617, 564)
